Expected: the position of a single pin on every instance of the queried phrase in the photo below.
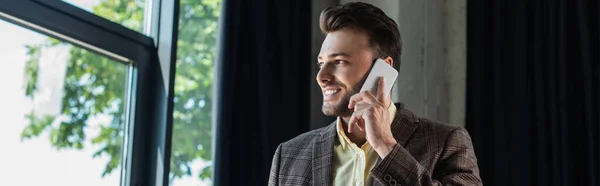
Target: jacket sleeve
(274, 174)
(457, 165)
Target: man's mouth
(331, 92)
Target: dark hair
(383, 32)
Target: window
(129, 13)
(191, 150)
(85, 99)
(63, 112)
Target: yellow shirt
(352, 165)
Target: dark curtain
(263, 85)
(533, 91)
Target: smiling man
(373, 141)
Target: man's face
(345, 58)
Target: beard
(340, 108)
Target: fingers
(365, 96)
(381, 89)
(356, 120)
(351, 123)
(361, 124)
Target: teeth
(329, 92)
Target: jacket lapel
(404, 124)
(323, 155)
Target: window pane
(192, 115)
(129, 13)
(62, 112)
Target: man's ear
(389, 61)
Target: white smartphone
(380, 68)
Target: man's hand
(371, 114)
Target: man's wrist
(384, 149)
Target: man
(372, 142)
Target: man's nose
(324, 76)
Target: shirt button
(358, 183)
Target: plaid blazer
(427, 153)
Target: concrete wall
(456, 56)
(433, 64)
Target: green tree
(95, 86)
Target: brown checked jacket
(427, 153)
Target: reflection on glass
(129, 13)
(191, 161)
(62, 112)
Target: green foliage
(95, 86)
(31, 69)
(36, 125)
(192, 116)
(129, 13)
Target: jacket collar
(404, 124)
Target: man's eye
(339, 62)
(320, 64)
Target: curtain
(533, 91)
(263, 85)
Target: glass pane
(62, 112)
(192, 115)
(129, 13)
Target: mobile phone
(380, 68)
